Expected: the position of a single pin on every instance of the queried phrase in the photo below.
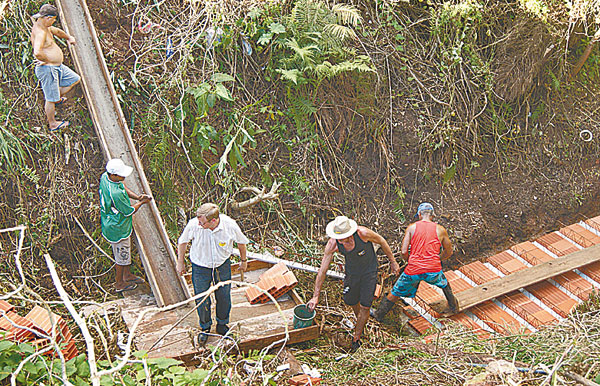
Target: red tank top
(424, 249)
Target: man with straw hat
(355, 243)
(425, 245)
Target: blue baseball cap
(423, 206)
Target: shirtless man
(55, 78)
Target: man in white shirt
(212, 235)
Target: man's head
(47, 14)
(117, 169)
(425, 210)
(208, 216)
(341, 228)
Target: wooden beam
(520, 279)
(156, 251)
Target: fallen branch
(260, 196)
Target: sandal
(128, 287)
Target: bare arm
(447, 249)
(181, 250)
(243, 258)
(368, 235)
(38, 40)
(62, 34)
(330, 248)
(139, 197)
(407, 237)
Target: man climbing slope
(116, 214)
(55, 78)
(355, 243)
(428, 244)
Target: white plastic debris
(283, 367)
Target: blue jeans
(202, 279)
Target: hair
(208, 210)
(427, 212)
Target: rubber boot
(384, 307)
(452, 302)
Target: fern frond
(347, 14)
(339, 31)
(305, 53)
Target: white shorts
(122, 252)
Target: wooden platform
(173, 333)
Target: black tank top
(361, 259)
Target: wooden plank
(156, 252)
(520, 279)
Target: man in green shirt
(116, 214)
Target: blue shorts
(407, 285)
(53, 77)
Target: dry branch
(260, 196)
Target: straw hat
(341, 227)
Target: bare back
(45, 48)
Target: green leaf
(211, 99)
(223, 92)
(177, 370)
(277, 28)
(6, 345)
(265, 38)
(219, 77)
(291, 75)
(83, 369)
(163, 363)
(449, 173)
(26, 348)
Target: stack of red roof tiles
(35, 327)
(531, 308)
(277, 281)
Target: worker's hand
(312, 303)
(180, 268)
(395, 267)
(71, 40)
(243, 266)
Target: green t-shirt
(115, 210)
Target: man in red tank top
(428, 244)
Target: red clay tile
(557, 244)
(592, 270)
(506, 263)
(471, 324)
(276, 270)
(15, 333)
(290, 279)
(580, 235)
(478, 272)
(420, 324)
(6, 306)
(552, 297)
(594, 223)
(575, 284)
(457, 283)
(377, 291)
(527, 309)
(498, 319)
(530, 253)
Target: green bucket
(303, 316)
